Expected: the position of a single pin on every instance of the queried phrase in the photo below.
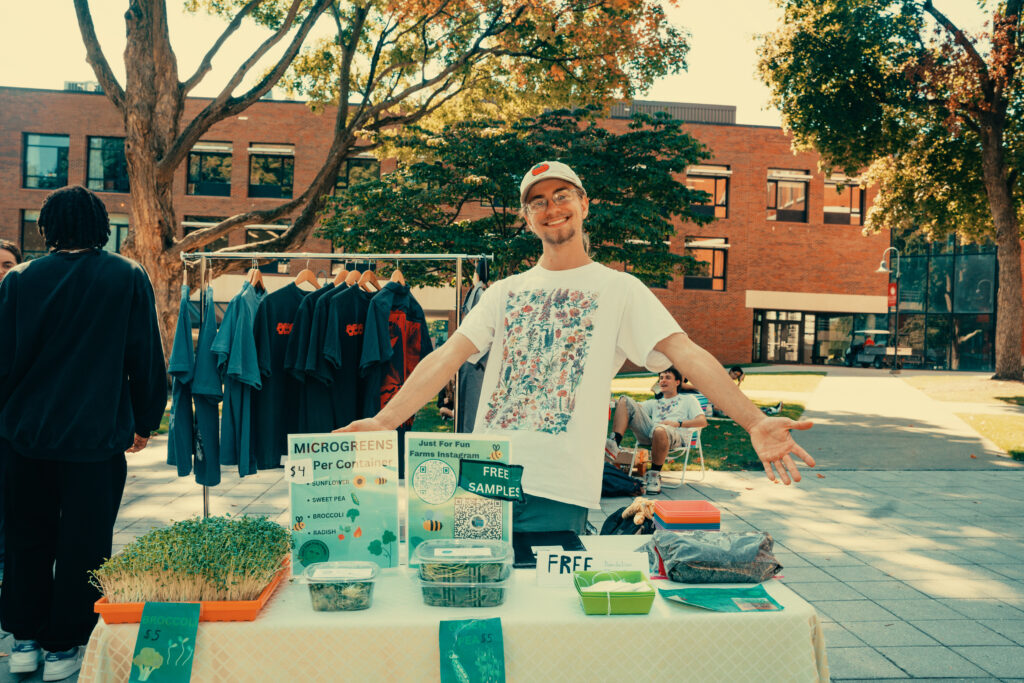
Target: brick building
(786, 274)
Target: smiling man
(557, 334)
(664, 423)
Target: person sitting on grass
(663, 423)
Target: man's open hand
(774, 445)
(370, 424)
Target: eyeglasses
(557, 199)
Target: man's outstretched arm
(770, 436)
(423, 385)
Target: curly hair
(73, 218)
(10, 246)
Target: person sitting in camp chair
(664, 423)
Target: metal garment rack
(203, 257)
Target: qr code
(477, 518)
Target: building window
(193, 223)
(118, 232)
(715, 181)
(271, 170)
(32, 244)
(209, 169)
(709, 270)
(844, 201)
(259, 233)
(107, 168)
(356, 170)
(787, 195)
(46, 161)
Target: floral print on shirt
(547, 334)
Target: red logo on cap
(539, 168)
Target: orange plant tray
(209, 610)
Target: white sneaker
(25, 656)
(611, 449)
(653, 482)
(59, 665)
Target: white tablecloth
(547, 637)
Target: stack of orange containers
(686, 515)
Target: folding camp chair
(684, 454)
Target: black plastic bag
(616, 525)
(617, 483)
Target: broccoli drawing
(352, 514)
(148, 661)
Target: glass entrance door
(782, 341)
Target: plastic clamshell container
(210, 610)
(594, 602)
(687, 512)
(464, 572)
(340, 586)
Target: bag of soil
(713, 556)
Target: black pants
(60, 526)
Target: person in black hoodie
(82, 382)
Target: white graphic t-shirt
(556, 339)
(679, 408)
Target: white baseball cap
(547, 170)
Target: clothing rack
(203, 257)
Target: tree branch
(961, 39)
(207, 63)
(94, 55)
(224, 105)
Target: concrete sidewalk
(911, 551)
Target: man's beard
(558, 236)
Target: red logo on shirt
(354, 330)
(539, 168)
(284, 328)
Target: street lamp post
(883, 269)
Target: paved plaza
(911, 550)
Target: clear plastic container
(464, 572)
(341, 586)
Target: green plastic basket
(613, 602)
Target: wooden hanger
(369, 281)
(396, 275)
(308, 276)
(255, 278)
(340, 277)
(353, 277)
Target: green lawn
(1005, 431)
(968, 388)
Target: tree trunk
(152, 120)
(1010, 305)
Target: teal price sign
(166, 642)
(472, 651)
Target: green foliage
(882, 85)
(460, 192)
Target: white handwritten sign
(555, 567)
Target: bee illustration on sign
(381, 481)
(429, 523)
(496, 453)
(299, 524)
